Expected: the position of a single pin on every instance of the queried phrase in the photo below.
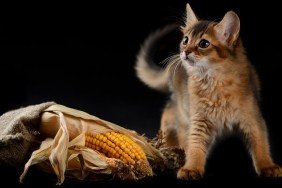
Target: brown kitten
(214, 90)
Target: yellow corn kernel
(116, 145)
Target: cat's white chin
(200, 67)
(189, 63)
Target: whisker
(171, 65)
(175, 68)
(174, 59)
(169, 59)
(174, 64)
(165, 61)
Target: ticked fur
(214, 89)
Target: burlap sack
(18, 134)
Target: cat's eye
(185, 40)
(204, 43)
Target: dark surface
(82, 56)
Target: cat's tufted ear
(191, 18)
(228, 28)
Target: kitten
(214, 90)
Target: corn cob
(111, 149)
(116, 145)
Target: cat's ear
(228, 28)
(191, 18)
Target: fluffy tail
(159, 43)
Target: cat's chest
(213, 92)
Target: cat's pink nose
(187, 52)
(183, 55)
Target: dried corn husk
(64, 153)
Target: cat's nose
(187, 52)
(184, 55)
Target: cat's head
(207, 43)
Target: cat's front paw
(186, 174)
(272, 171)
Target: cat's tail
(148, 67)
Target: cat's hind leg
(255, 133)
(168, 129)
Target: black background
(82, 55)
